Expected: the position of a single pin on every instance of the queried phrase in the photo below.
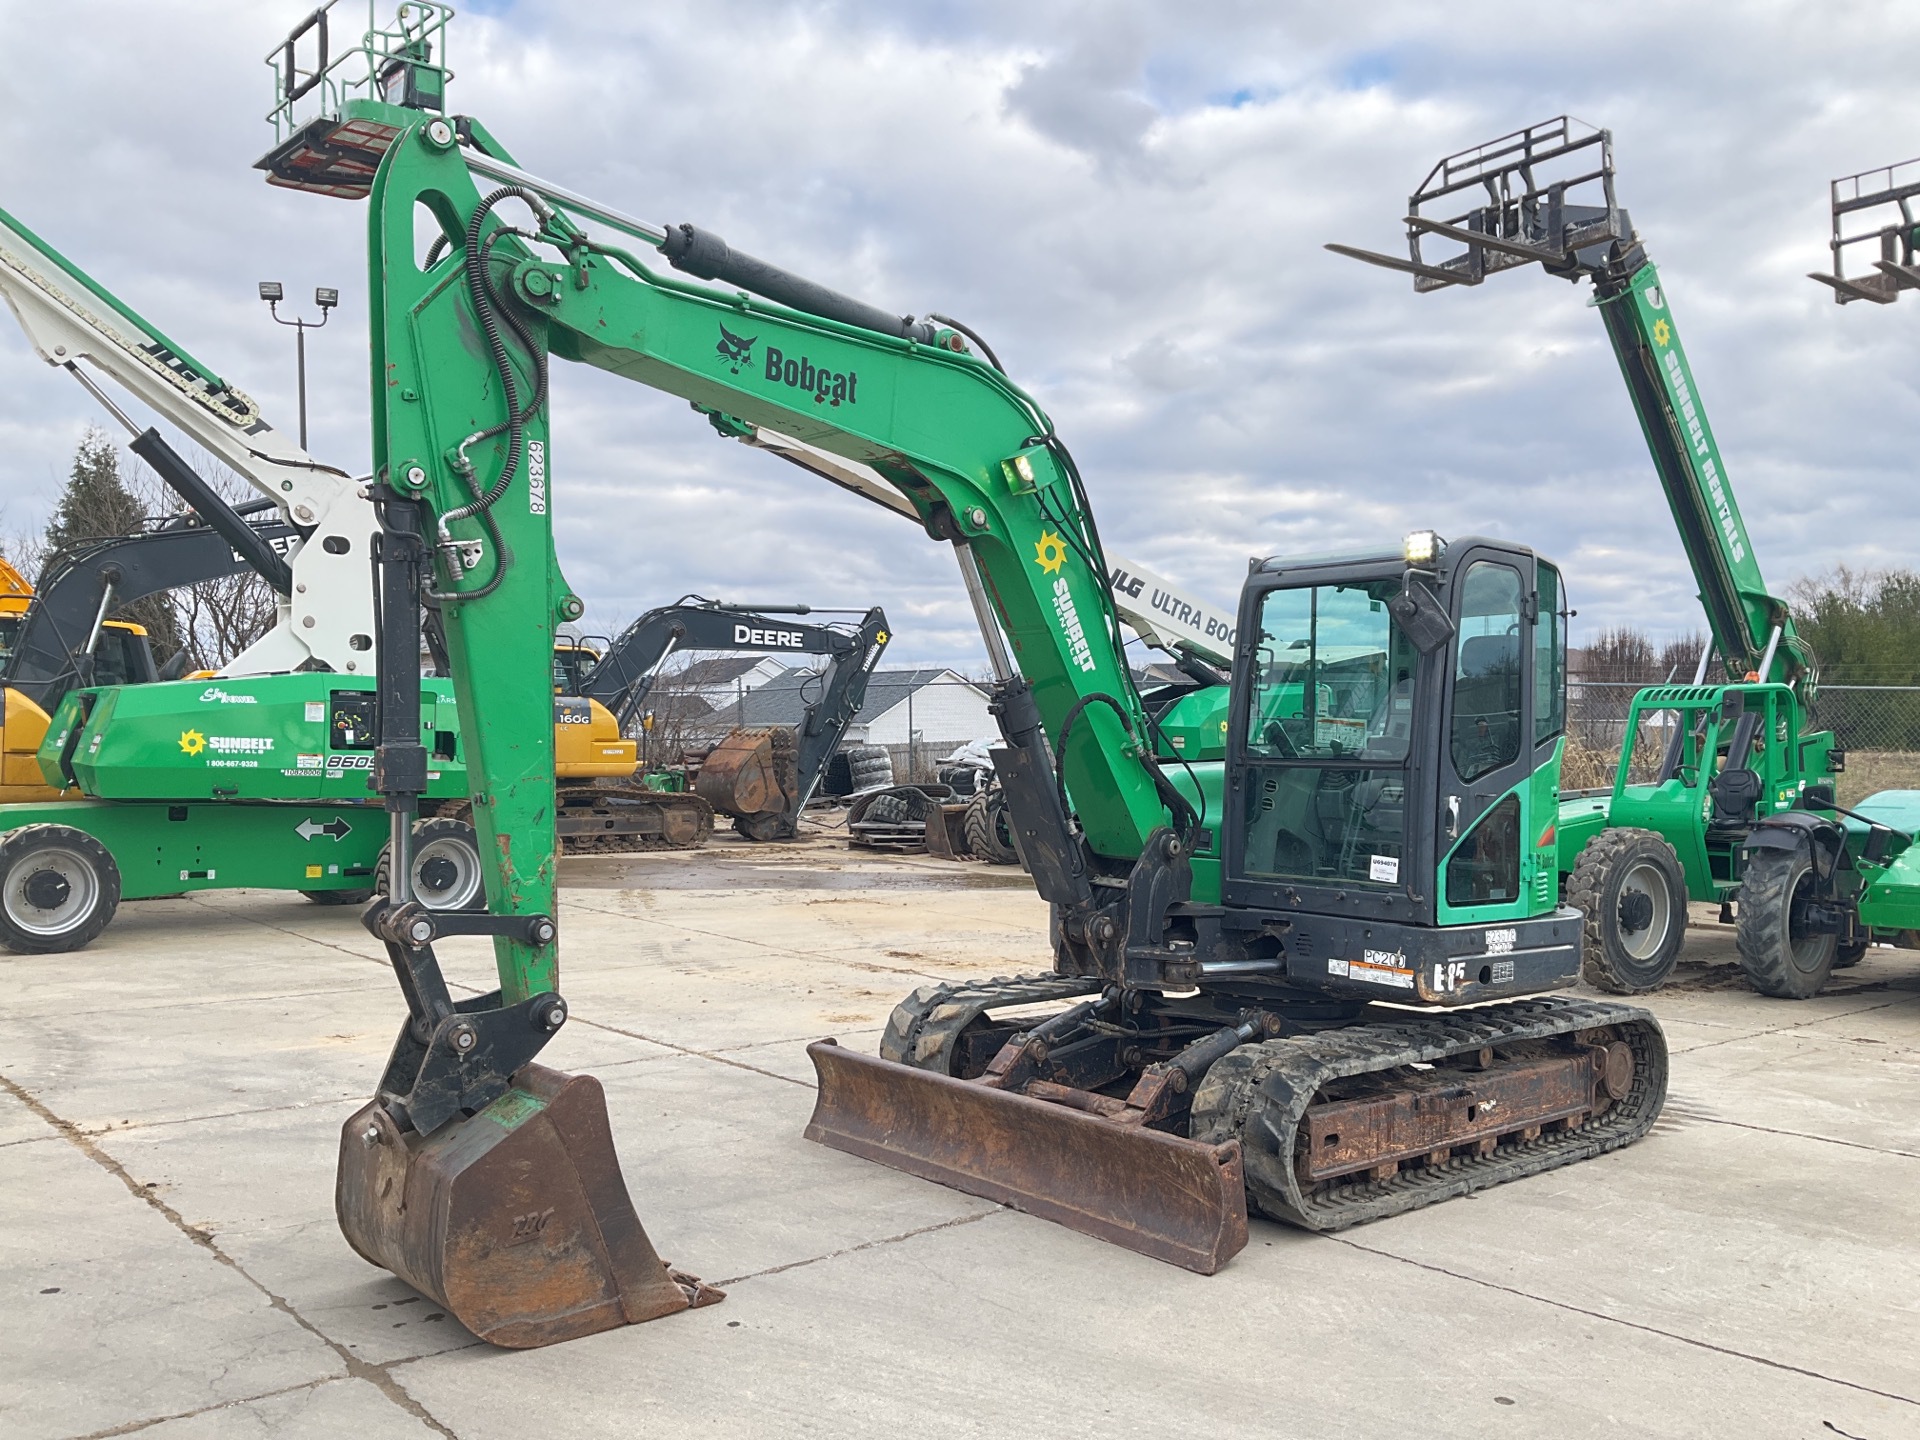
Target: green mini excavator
(1314, 972)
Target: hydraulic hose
(492, 313)
(1186, 818)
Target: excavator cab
(1394, 761)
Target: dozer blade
(1174, 1199)
(516, 1219)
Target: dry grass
(1583, 767)
(1871, 770)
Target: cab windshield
(1335, 677)
(1328, 736)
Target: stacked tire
(869, 767)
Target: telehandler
(1263, 959)
(1738, 801)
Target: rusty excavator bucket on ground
(516, 1219)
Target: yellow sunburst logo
(192, 742)
(1662, 332)
(1050, 551)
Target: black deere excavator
(761, 778)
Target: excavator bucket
(1179, 1200)
(516, 1219)
(742, 774)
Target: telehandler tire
(1781, 958)
(357, 896)
(1630, 887)
(58, 889)
(446, 866)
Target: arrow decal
(338, 829)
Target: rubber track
(928, 1022)
(618, 844)
(1260, 1094)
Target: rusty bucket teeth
(1174, 1199)
(516, 1219)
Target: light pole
(326, 299)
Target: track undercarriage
(1149, 1119)
(618, 816)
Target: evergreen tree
(98, 504)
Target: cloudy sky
(1128, 199)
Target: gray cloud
(1129, 201)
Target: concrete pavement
(170, 1101)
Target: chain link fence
(1877, 725)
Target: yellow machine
(23, 722)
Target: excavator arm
(1524, 182)
(974, 456)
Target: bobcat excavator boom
(1224, 932)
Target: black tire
(869, 766)
(1849, 953)
(1633, 892)
(357, 896)
(989, 832)
(58, 889)
(896, 807)
(1780, 957)
(438, 844)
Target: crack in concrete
(133, 1427)
(127, 1127)
(1804, 1025)
(379, 1376)
(697, 1054)
(864, 1245)
(1627, 1324)
(1703, 1118)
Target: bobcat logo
(735, 351)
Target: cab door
(1487, 824)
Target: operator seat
(1735, 791)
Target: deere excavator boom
(761, 778)
(1545, 195)
(62, 626)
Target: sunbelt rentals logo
(1050, 554)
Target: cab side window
(1487, 680)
